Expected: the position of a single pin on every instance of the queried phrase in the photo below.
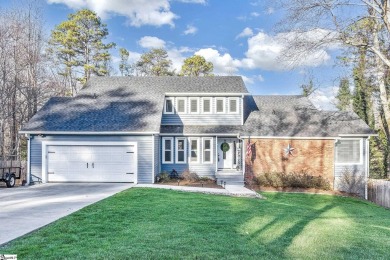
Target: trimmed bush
(291, 180)
(163, 177)
(189, 176)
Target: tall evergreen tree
(344, 95)
(78, 45)
(196, 66)
(154, 63)
(361, 97)
(124, 66)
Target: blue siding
(157, 153)
(359, 170)
(205, 119)
(203, 170)
(145, 155)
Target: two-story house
(129, 129)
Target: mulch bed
(204, 184)
(300, 190)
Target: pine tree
(154, 63)
(196, 66)
(344, 96)
(78, 45)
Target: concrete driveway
(24, 209)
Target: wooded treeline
(35, 66)
(361, 28)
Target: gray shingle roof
(123, 104)
(296, 116)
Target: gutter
(84, 133)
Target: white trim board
(45, 144)
(84, 133)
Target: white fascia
(84, 133)
(206, 94)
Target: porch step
(231, 178)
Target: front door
(227, 153)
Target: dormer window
(181, 105)
(220, 105)
(168, 107)
(233, 105)
(206, 105)
(194, 105)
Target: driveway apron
(24, 209)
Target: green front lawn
(153, 223)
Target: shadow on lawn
(289, 221)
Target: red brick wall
(315, 157)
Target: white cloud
(138, 12)
(270, 10)
(247, 32)
(190, 30)
(265, 52)
(255, 14)
(324, 98)
(224, 64)
(149, 42)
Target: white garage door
(91, 163)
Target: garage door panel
(91, 163)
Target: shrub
(291, 180)
(163, 177)
(189, 176)
(206, 179)
(352, 181)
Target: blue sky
(238, 36)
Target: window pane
(181, 106)
(219, 105)
(168, 105)
(348, 151)
(167, 144)
(180, 144)
(207, 144)
(180, 156)
(194, 144)
(206, 105)
(233, 105)
(194, 156)
(168, 156)
(194, 105)
(207, 156)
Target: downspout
(153, 160)
(367, 172)
(28, 172)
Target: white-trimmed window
(194, 105)
(167, 143)
(181, 150)
(194, 150)
(168, 106)
(233, 105)
(206, 108)
(181, 105)
(349, 151)
(207, 150)
(220, 105)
